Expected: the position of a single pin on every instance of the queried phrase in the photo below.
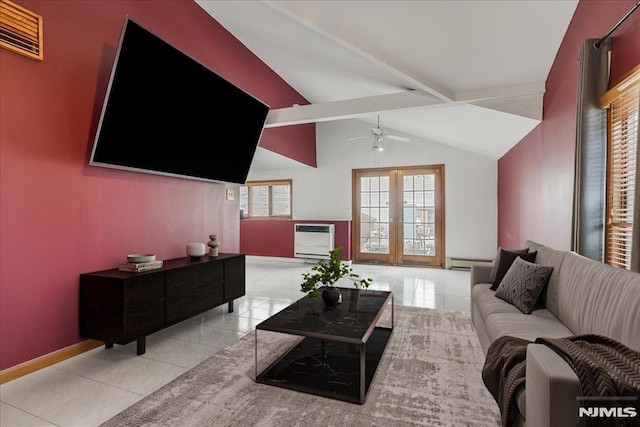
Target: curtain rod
(598, 44)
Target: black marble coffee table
(341, 348)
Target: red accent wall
(281, 140)
(60, 217)
(275, 238)
(535, 178)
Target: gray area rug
(429, 375)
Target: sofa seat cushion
(540, 323)
(487, 303)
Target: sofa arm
(480, 273)
(551, 389)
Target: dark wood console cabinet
(120, 307)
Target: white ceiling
(467, 73)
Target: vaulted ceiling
(465, 73)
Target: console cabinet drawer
(120, 309)
(188, 304)
(234, 267)
(234, 278)
(233, 288)
(143, 290)
(194, 277)
(142, 321)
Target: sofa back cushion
(595, 298)
(553, 258)
(503, 262)
(523, 284)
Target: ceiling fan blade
(398, 138)
(358, 137)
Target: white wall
(324, 193)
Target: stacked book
(139, 266)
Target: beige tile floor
(88, 389)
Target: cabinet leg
(141, 346)
(108, 345)
(231, 306)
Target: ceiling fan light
(377, 145)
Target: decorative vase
(196, 250)
(213, 245)
(331, 296)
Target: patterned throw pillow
(523, 284)
(503, 262)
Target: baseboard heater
(466, 263)
(314, 241)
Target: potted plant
(322, 278)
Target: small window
(266, 199)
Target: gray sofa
(582, 297)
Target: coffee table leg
(392, 304)
(363, 366)
(256, 356)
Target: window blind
(622, 102)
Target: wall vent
(20, 30)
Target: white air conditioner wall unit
(314, 241)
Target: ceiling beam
(348, 109)
(521, 100)
(404, 75)
(503, 99)
(514, 91)
(525, 106)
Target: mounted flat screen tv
(165, 113)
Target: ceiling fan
(378, 137)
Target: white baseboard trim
(287, 260)
(275, 259)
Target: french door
(399, 215)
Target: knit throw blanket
(604, 367)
